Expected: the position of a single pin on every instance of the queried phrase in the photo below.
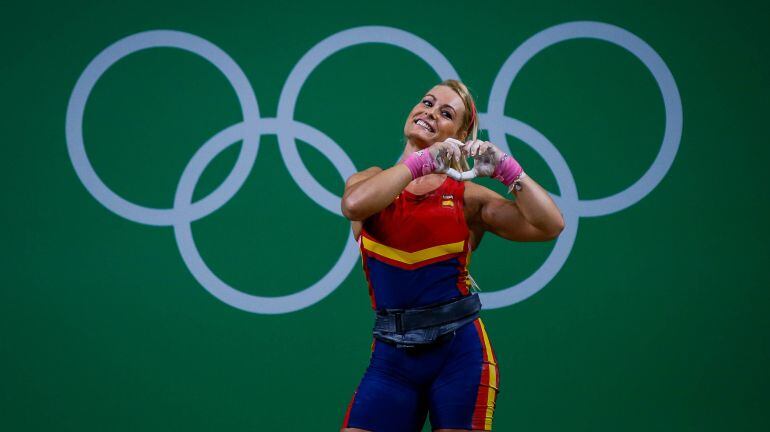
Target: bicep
(503, 218)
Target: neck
(412, 147)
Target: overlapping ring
(288, 130)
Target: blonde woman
(417, 227)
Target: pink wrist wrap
(507, 170)
(420, 163)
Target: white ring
(288, 130)
(99, 65)
(207, 278)
(307, 64)
(616, 35)
(568, 190)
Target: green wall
(649, 315)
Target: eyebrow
(444, 105)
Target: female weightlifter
(417, 224)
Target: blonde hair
(470, 124)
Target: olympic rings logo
(185, 211)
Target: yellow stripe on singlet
(412, 257)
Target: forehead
(445, 95)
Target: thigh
(463, 396)
(387, 399)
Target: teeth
(424, 124)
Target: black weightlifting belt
(408, 328)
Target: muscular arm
(370, 191)
(533, 216)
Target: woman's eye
(427, 103)
(447, 114)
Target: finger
(466, 146)
(457, 152)
(445, 144)
(475, 148)
(454, 142)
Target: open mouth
(423, 124)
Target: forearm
(537, 207)
(373, 194)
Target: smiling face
(439, 115)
